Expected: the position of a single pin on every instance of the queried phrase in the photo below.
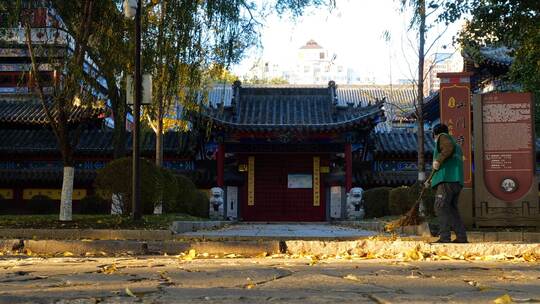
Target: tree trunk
(119, 117)
(117, 204)
(159, 136)
(420, 102)
(158, 208)
(67, 194)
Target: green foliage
(428, 198)
(200, 205)
(402, 199)
(41, 204)
(376, 202)
(399, 200)
(189, 199)
(168, 187)
(116, 177)
(510, 23)
(93, 204)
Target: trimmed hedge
(92, 204)
(399, 200)
(189, 199)
(116, 177)
(42, 204)
(402, 199)
(428, 199)
(376, 202)
(168, 187)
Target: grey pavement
(276, 279)
(289, 231)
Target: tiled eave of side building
(31, 112)
(306, 109)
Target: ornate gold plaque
(316, 181)
(251, 181)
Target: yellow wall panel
(54, 194)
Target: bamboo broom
(412, 216)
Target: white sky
(353, 31)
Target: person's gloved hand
(436, 165)
(427, 184)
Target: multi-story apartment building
(440, 63)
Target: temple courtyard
(270, 279)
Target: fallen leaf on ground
(351, 277)
(108, 269)
(262, 255)
(192, 254)
(130, 293)
(68, 254)
(504, 299)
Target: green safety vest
(451, 170)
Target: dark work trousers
(446, 209)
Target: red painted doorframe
(274, 201)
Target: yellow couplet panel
(6, 194)
(53, 194)
(316, 181)
(251, 180)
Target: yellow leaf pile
(108, 269)
(504, 299)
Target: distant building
(313, 65)
(440, 63)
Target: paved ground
(284, 230)
(159, 279)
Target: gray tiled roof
(92, 142)
(278, 108)
(402, 95)
(30, 112)
(497, 55)
(17, 176)
(400, 143)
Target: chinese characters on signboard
(455, 107)
(508, 144)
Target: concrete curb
(190, 226)
(424, 231)
(380, 248)
(93, 234)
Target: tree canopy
(511, 23)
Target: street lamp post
(132, 8)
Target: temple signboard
(509, 164)
(506, 191)
(455, 107)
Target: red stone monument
(506, 191)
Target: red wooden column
(220, 158)
(348, 167)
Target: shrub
(200, 205)
(190, 200)
(42, 204)
(168, 188)
(428, 198)
(402, 199)
(116, 177)
(376, 202)
(93, 204)
(399, 201)
(185, 196)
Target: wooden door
(282, 191)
